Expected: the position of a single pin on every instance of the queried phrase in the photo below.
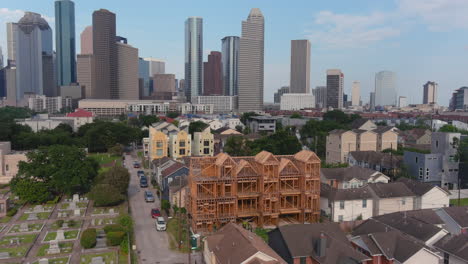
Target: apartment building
(203, 143)
(158, 144)
(180, 144)
(264, 189)
(9, 162)
(339, 143)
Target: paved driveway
(152, 246)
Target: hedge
(115, 238)
(114, 228)
(88, 238)
(12, 212)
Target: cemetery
(100, 258)
(64, 224)
(26, 228)
(54, 248)
(34, 216)
(58, 260)
(15, 246)
(61, 235)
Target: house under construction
(265, 189)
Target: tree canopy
(100, 136)
(197, 126)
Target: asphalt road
(152, 246)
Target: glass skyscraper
(193, 57)
(230, 62)
(385, 88)
(65, 42)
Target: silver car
(149, 197)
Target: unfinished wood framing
(263, 190)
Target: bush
(88, 238)
(126, 221)
(106, 195)
(12, 212)
(115, 238)
(124, 245)
(114, 228)
(71, 223)
(54, 201)
(59, 223)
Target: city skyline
(375, 45)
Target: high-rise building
(335, 80)
(212, 74)
(459, 100)
(402, 101)
(163, 86)
(12, 29)
(8, 84)
(144, 76)
(156, 66)
(1, 58)
(85, 74)
(182, 87)
(33, 49)
(105, 55)
(300, 66)
(86, 38)
(279, 93)
(320, 93)
(430, 93)
(372, 101)
(385, 88)
(127, 72)
(65, 42)
(230, 63)
(251, 62)
(193, 57)
(355, 93)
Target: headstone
(93, 222)
(32, 216)
(72, 206)
(53, 247)
(76, 197)
(43, 261)
(100, 222)
(38, 209)
(4, 255)
(111, 211)
(77, 212)
(60, 235)
(111, 221)
(65, 225)
(97, 260)
(24, 227)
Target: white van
(160, 224)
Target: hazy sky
(420, 40)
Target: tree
(100, 136)
(246, 116)
(197, 126)
(30, 190)
(88, 238)
(172, 114)
(117, 176)
(296, 115)
(64, 128)
(116, 150)
(148, 120)
(448, 128)
(106, 195)
(236, 146)
(239, 128)
(336, 115)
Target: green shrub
(126, 221)
(124, 245)
(71, 223)
(54, 201)
(106, 195)
(115, 238)
(88, 238)
(59, 223)
(12, 212)
(114, 228)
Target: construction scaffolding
(264, 190)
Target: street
(152, 246)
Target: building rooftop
(455, 245)
(391, 190)
(349, 173)
(80, 113)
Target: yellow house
(339, 144)
(203, 143)
(157, 144)
(180, 144)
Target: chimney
(321, 245)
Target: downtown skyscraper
(430, 93)
(385, 88)
(300, 66)
(193, 57)
(335, 79)
(65, 42)
(212, 75)
(230, 64)
(251, 62)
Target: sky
(420, 40)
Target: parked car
(149, 197)
(160, 224)
(136, 165)
(140, 173)
(143, 182)
(155, 213)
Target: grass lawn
(65, 206)
(40, 216)
(15, 251)
(71, 224)
(66, 247)
(32, 228)
(463, 202)
(61, 260)
(47, 208)
(23, 239)
(5, 219)
(105, 159)
(72, 234)
(108, 257)
(173, 230)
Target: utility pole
(179, 220)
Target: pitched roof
(347, 174)
(383, 129)
(419, 188)
(161, 161)
(395, 245)
(300, 240)
(356, 124)
(339, 131)
(171, 169)
(234, 244)
(306, 156)
(80, 113)
(334, 194)
(459, 214)
(391, 190)
(455, 245)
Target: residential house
(363, 124)
(419, 138)
(427, 195)
(379, 161)
(387, 138)
(178, 193)
(435, 124)
(146, 147)
(391, 197)
(233, 123)
(4, 203)
(453, 249)
(351, 177)
(158, 144)
(424, 167)
(314, 243)
(446, 144)
(459, 125)
(366, 140)
(80, 117)
(227, 131)
(259, 124)
(172, 176)
(159, 165)
(203, 143)
(234, 244)
(215, 124)
(339, 143)
(9, 162)
(180, 144)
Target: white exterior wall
(423, 256)
(297, 101)
(435, 198)
(392, 205)
(352, 210)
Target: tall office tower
(33, 48)
(182, 87)
(1, 58)
(300, 66)
(85, 74)
(335, 88)
(12, 29)
(105, 55)
(385, 88)
(8, 84)
(320, 93)
(251, 62)
(50, 88)
(144, 76)
(156, 66)
(164, 83)
(279, 93)
(193, 57)
(355, 93)
(212, 74)
(230, 62)
(402, 101)
(430, 93)
(86, 39)
(459, 99)
(372, 101)
(127, 72)
(65, 42)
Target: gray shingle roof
(455, 245)
(391, 190)
(346, 174)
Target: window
(341, 204)
(420, 173)
(206, 151)
(416, 159)
(364, 203)
(159, 144)
(446, 258)
(182, 143)
(403, 201)
(7, 167)
(437, 144)
(339, 146)
(181, 151)
(159, 152)
(302, 260)
(340, 218)
(206, 143)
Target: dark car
(140, 173)
(136, 166)
(155, 213)
(143, 183)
